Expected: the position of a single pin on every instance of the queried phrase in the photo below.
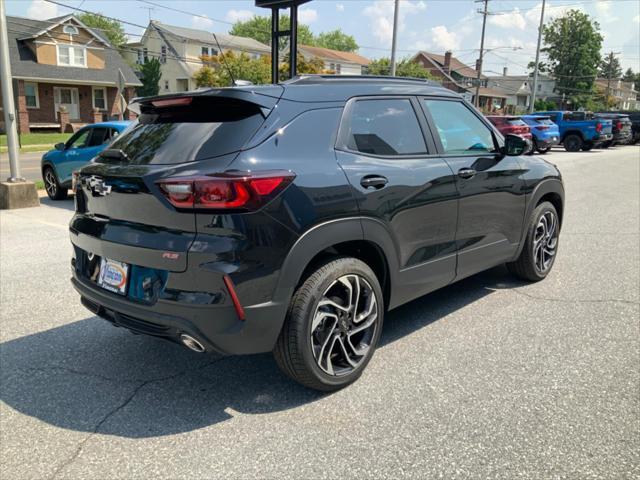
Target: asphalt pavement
(29, 166)
(487, 378)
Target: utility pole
(609, 75)
(535, 70)
(476, 101)
(15, 192)
(394, 38)
(10, 120)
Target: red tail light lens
(172, 102)
(543, 127)
(598, 127)
(225, 191)
(619, 125)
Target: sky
(432, 25)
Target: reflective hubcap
(50, 183)
(545, 241)
(344, 325)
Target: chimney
(447, 61)
(504, 71)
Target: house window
(166, 84)
(140, 59)
(70, 29)
(31, 95)
(145, 54)
(99, 98)
(205, 51)
(163, 54)
(71, 56)
(338, 68)
(332, 67)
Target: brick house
(65, 74)
(461, 78)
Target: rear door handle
(375, 181)
(466, 173)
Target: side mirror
(515, 145)
(59, 146)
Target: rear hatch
(122, 213)
(516, 126)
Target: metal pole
(10, 120)
(293, 41)
(535, 70)
(479, 74)
(394, 38)
(275, 43)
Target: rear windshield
(208, 127)
(516, 122)
(543, 121)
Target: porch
(65, 107)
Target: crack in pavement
(118, 408)
(564, 300)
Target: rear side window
(516, 122)
(460, 131)
(385, 127)
(543, 121)
(206, 128)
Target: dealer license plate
(113, 276)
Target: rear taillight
(619, 125)
(598, 127)
(543, 127)
(225, 191)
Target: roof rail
(320, 78)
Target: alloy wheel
(344, 325)
(545, 241)
(50, 183)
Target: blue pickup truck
(580, 130)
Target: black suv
(290, 218)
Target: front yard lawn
(36, 141)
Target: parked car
(215, 223)
(635, 126)
(512, 125)
(57, 165)
(621, 128)
(545, 133)
(580, 130)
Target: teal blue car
(58, 165)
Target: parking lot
(488, 377)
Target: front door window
(67, 97)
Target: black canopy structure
(276, 33)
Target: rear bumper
(602, 138)
(218, 328)
(546, 142)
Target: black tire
(607, 144)
(53, 188)
(586, 147)
(572, 142)
(525, 267)
(544, 151)
(295, 351)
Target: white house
(518, 89)
(179, 50)
(342, 63)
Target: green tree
(629, 76)
(112, 29)
(337, 40)
(232, 66)
(544, 105)
(313, 65)
(151, 75)
(259, 28)
(542, 67)
(206, 77)
(572, 44)
(610, 66)
(404, 68)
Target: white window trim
(71, 47)
(93, 97)
(37, 94)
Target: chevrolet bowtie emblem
(98, 187)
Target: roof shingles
(25, 65)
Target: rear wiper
(114, 154)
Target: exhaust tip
(191, 343)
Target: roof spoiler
(265, 97)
